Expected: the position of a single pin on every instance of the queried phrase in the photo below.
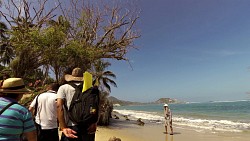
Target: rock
(140, 122)
(114, 139)
(116, 117)
(126, 117)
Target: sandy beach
(130, 131)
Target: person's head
(53, 87)
(13, 88)
(165, 106)
(76, 75)
(6, 76)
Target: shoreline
(128, 130)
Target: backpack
(84, 107)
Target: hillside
(122, 102)
(116, 101)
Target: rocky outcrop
(165, 100)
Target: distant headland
(118, 102)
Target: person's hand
(92, 128)
(69, 133)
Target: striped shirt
(14, 121)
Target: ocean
(220, 116)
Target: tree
(101, 30)
(95, 31)
(6, 50)
(103, 77)
(25, 34)
(54, 55)
(81, 33)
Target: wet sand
(130, 131)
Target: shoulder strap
(36, 105)
(6, 107)
(77, 88)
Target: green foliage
(28, 99)
(87, 34)
(6, 50)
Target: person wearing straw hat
(71, 131)
(168, 118)
(15, 120)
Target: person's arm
(32, 105)
(165, 114)
(60, 113)
(31, 136)
(31, 109)
(62, 124)
(170, 115)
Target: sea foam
(198, 124)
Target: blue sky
(191, 50)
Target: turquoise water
(216, 116)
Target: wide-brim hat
(14, 85)
(76, 75)
(165, 105)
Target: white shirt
(46, 110)
(66, 92)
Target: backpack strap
(6, 107)
(36, 105)
(77, 88)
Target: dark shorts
(82, 134)
(47, 134)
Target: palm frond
(107, 85)
(112, 82)
(109, 74)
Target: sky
(189, 50)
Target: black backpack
(84, 107)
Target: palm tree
(6, 50)
(103, 77)
(3, 29)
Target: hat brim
(69, 77)
(19, 91)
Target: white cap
(165, 105)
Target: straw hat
(77, 75)
(14, 85)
